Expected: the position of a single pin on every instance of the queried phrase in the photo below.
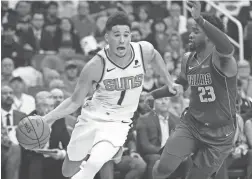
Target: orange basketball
(33, 133)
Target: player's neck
(204, 52)
(122, 61)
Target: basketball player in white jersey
(118, 72)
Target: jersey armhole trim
(141, 49)
(224, 55)
(220, 72)
(103, 69)
(188, 60)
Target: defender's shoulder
(186, 56)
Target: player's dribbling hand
(195, 8)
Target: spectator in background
(23, 9)
(149, 81)
(244, 72)
(30, 75)
(144, 21)
(176, 48)
(175, 19)
(10, 156)
(54, 62)
(48, 76)
(136, 34)
(248, 134)
(83, 23)
(244, 102)
(248, 36)
(67, 9)
(10, 45)
(32, 165)
(7, 15)
(158, 10)
(126, 6)
(59, 139)
(169, 62)
(51, 18)
(131, 165)
(71, 76)
(100, 31)
(58, 83)
(241, 155)
(177, 105)
(153, 129)
(22, 102)
(38, 39)
(158, 38)
(10, 118)
(7, 68)
(132, 17)
(185, 35)
(142, 108)
(66, 40)
(58, 96)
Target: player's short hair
(118, 18)
(214, 20)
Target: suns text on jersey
(124, 83)
(199, 79)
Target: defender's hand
(195, 8)
(178, 88)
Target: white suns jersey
(117, 94)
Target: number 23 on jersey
(206, 94)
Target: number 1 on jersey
(121, 97)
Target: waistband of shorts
(220, 124)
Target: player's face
(197, 38)
(119, 40)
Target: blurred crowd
(46, 44)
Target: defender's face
(119, 40)
(197, 38)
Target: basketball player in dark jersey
(206, 130)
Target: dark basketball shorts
(208, 146)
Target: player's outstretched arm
(180, 81)
(92, 72)
(220, 40)
(153, 57)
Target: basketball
(32, 132)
